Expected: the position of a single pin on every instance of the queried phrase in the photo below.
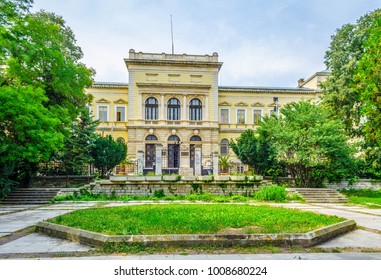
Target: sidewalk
(13, 219)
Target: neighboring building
(175, 100)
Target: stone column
(184, 114)
(215, 164)
(140, 162)
(162, 108)
(206, 107)
(158, 161)
(197, 160)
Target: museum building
(173, 108)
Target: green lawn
(372, 202)
(366, 197)
(193, 219)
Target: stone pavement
(13, 219)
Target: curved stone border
(282, 240)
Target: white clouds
(270, 42)
(267, 62)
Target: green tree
(39, 56)
(41, 51)
(253, 150)
(367, 80)
(341, 96)
(28, 132)
(313, 147)
(108, 153)
(78, 147)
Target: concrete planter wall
(181, 188)
(359, 185)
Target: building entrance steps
(319, 195)
(35, 196)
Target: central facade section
(173, 110)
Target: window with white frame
(195, 110)
(151, 109)
(241, 116)
(257, 116)
(173, 112)
(224, 116)
(224, 147)
(120, 114)
(102, 113)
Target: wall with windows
(171, 95)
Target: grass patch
(271, 193)
(366, 197)
(194, 219)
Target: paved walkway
(13, 219)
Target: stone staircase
(35, 196)
(316, 195)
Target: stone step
(321, 195)
(30, 196)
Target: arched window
(152, 109)
(151, 138)
(174, 138)
(224, 147)
(173, 109)
(195, 138)
(195, 110)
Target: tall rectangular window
(120, 114)
(224, 116)
(102, 113)
(257, 116)
(241, 116)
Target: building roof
(109, 85)
(267, 89)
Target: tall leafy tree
(41, 51)
(28, 133)
(341, 96)
(312, 146)
(39, 57)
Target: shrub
(159, 193)
(271, 193)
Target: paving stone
(37, 243)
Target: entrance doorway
(173, 152)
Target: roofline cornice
(172, 62)
(110, 85)
(268, 90)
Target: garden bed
(212, 224)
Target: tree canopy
(42, 86)
(312, 146)
(108, 153)
(341, 96)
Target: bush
(271, 193)
(159, 193)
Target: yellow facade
(175, 100)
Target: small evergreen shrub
(271, 193)
(159, 193)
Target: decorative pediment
(241, 104)
(258, 104)
(224, 104)
(102, 100)
(272, 104)
(121, 101)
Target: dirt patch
(245, 230)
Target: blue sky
(260, 42)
